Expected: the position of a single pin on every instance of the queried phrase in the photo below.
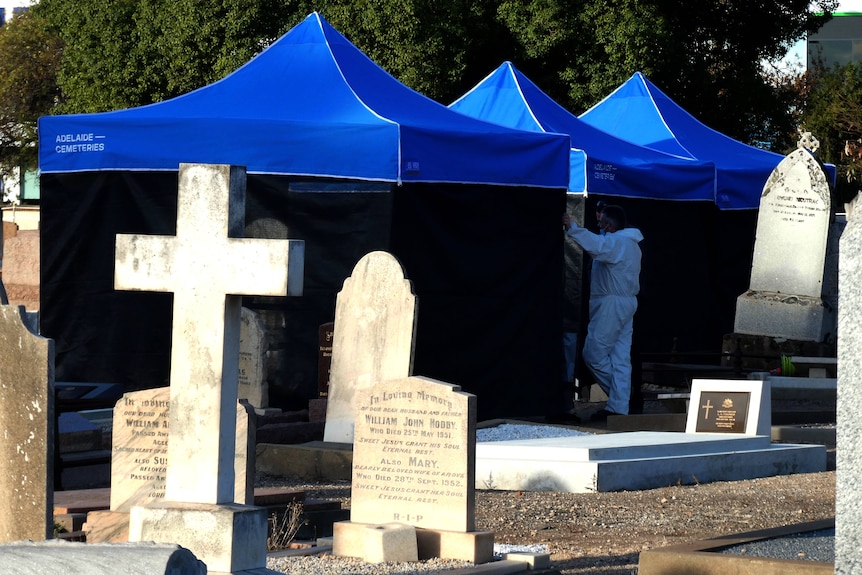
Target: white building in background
(9, 8)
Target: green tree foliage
(28, 88)
(705, 55)
(833, 114)
(124, 53)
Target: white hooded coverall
(614, 286)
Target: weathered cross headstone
(26, 430)
(207, 266)
(785, 294)
(414, 463)
(252, 360)
(375, 322)
(848, 475)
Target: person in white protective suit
(614, 286)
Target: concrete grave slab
(637, 460)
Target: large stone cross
(207, 266)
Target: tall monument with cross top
(208, 266)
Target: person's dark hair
(617, 215)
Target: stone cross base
(228, 538)
(360, 540)
(781, 315)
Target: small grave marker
(730, 406)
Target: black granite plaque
(324, 357)
(723, 411)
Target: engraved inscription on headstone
(723, 412)
(139, 456)
(251, 378)
(414, 455)
(793, 222)
(324, 358)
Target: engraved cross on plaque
(706, 408)
(208, 266)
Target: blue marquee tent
(340, 154)
(600, 163)
(639, 112)
(311, 103)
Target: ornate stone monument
(790, 306)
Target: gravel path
(603, 533)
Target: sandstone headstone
(414, 455)
(730, 406)
(208, 266)
(414, 464)
(140, 450)
(848, 475)
(785, 294)
(252, 360)
(26, 430)
(375, 323)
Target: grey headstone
(785, 294)
(207, 266)
(26, 430)
(414, 455)
(848, 478)
(252, 360)
(375, 323)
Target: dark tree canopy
(705, 55)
